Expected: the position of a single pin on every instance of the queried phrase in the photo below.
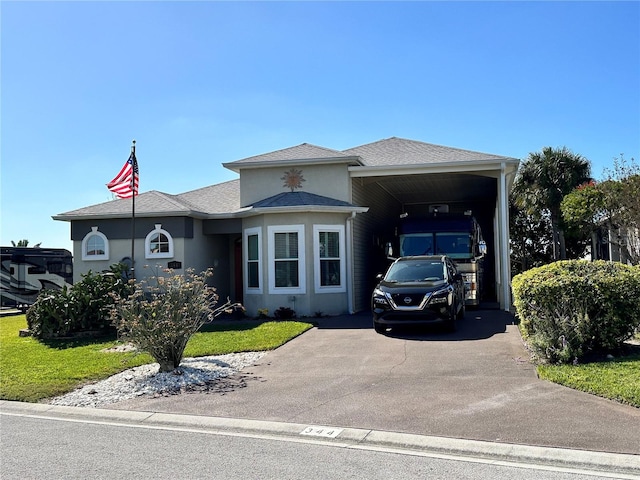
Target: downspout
(349, 260)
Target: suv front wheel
(450, 323)
(378, 327)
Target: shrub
(572, 308)
(85, 306)
(164, 312)
(284, 313)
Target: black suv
(419, 290)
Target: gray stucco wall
(310, 302)
(118, 234)
(328, 180)
(211, 251)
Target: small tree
(611, 207)
(624, 184)
(164, 312)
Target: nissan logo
(407, 300)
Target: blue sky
(200, 83)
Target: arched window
(158, 244)
(95, 246)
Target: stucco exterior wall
(120, 248)
(211, 251)
(330, 180)
(311, 301)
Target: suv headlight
(379, 297)
(441, 297)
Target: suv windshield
(416, 271)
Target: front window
(286, 259)
(329, 258)
(158, 244)
(95, 246)
(253, 255)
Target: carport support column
(349, 260)
(505, 260)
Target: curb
(604, 462)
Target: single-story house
(303, 227)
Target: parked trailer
(25, 272)
(457, 236)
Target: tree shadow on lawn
(63, 343)
(83, 339)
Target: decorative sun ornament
(293, 179)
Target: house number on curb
(322, 432)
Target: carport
(433, 175)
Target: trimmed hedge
(83, 307)
(573, 308)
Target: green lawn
(617, 379)
(31, 370)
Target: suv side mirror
(388, 250)
(482, 247)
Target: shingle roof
(399, 151)
(214, 199)
(291, 199)
(302, 152)
(224, 198)
(147, 203)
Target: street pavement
(473, 390)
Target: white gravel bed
(194, 374)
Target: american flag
(125, 184)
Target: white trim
(147, 243)
(503, 198)
(302, 272)
(349, 263)
(245, 260)
(90, 258)
(342, 258)
(488, 165)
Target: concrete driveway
(475, 384)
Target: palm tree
(543, 180)
(24, 243)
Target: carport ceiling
(439, 188)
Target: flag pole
(133, 209)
